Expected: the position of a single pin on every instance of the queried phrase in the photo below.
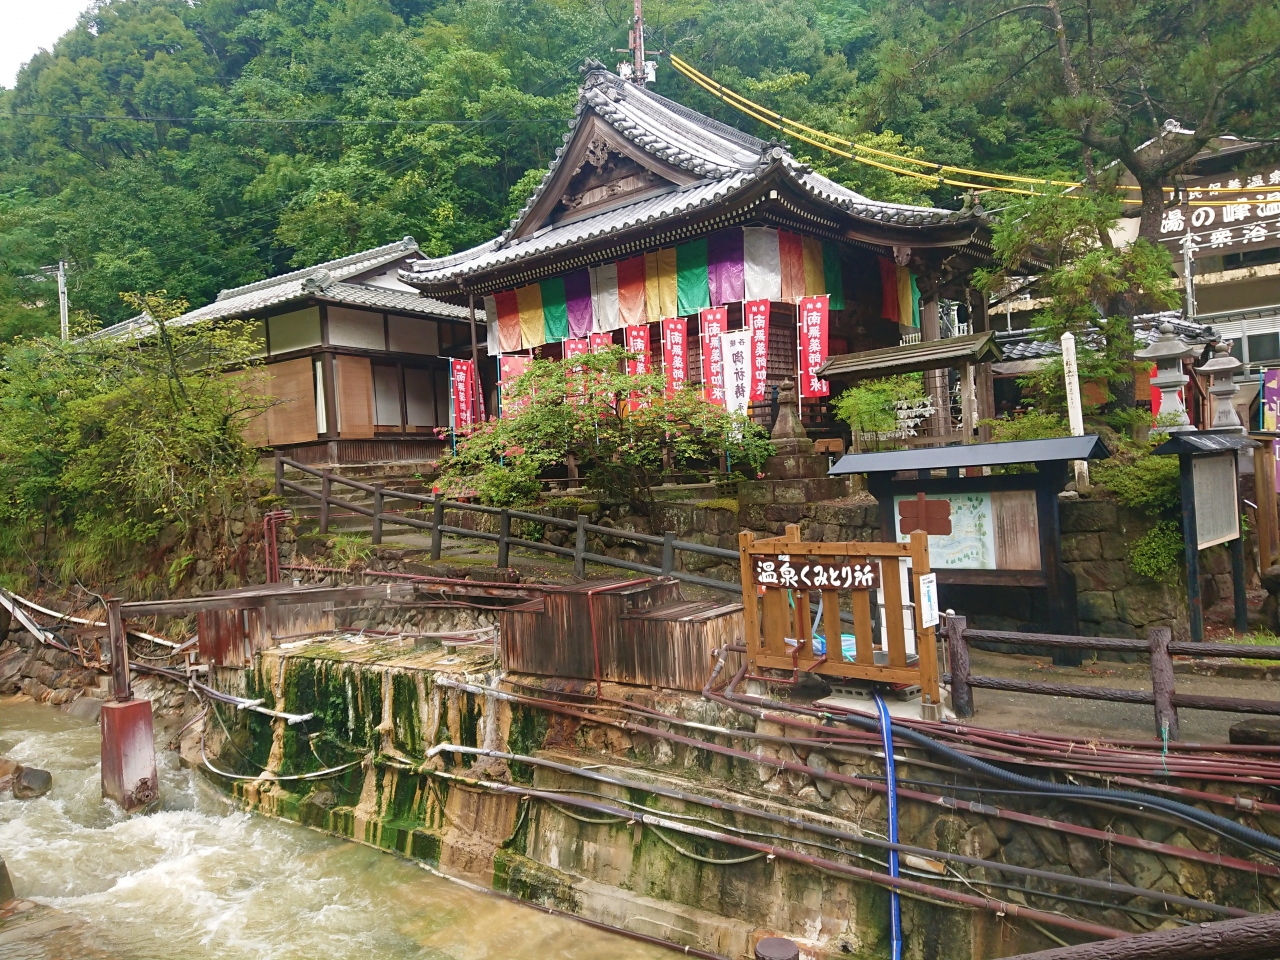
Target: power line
(324, 121)
(937, 174)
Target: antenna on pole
(639, 70)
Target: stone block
(873, 515)
(1116, 628)
(790, 493)
(1078, 547)
(1256, 731)
(31, 782)
(1100, 575)
(1140, 604)
(1088, 516)
(755, 492)
(1115, 546)
(1096, 606)
(784, 513)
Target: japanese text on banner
(638, 343)
(509, 369)
(714, 322)
(755, 315)
(462, 385)
(736, 347)
(675, 358)
(812, 314)
(575, 389)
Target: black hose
(1263, 842)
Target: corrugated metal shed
(645, 633)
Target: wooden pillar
(978, 313)
(475, 359)
(968, 405)
(329, 382)
(985, 389)
(935, 381)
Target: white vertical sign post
(1075, 414)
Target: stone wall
(1112, 598)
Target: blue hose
(891, 781)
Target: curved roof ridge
(340, 265)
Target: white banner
(736, 350)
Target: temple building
(653, 211)
(650, 215)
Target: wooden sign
(838, 575)
(931, 516)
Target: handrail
(436, 526)
(1159, 645)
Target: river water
(201, 879)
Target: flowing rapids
(200, 879)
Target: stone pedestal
(793, 455)
(129, 754)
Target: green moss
(469, 720)
(425, 846)
(527, 733)
(530, 880)
(407, 730)
(721, 503)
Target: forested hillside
(192, 146)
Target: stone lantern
(1222, 387)
(1167, 352)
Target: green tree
(1142, 82)
(621, 429)
(1093, 289)
(109, 447)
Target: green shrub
(1158, 552)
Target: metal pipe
(950, 803)
(1252, 938)
(997, 907)
(683, 796)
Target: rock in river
(31, 782)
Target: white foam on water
(199, 879)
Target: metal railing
(1159, 645)
(504, 539)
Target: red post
(128, 745)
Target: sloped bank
(362, 767)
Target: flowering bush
(621, 429)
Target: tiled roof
(726, 160)
(913, 357)
(1021, 345)
(323, 282)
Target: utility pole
(62, 299)
(638, 70)
(637, 44)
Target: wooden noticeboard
(780, 575)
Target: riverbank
(201, 878)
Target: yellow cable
(788, 126)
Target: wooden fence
(438, 527)
(1159, 646)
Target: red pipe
(591, 610)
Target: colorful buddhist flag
(637, 342)
(755, 315)
(675, 353)
(714, 321)
(508, 308)
(813, 314)
(492, 344)
(725, 266)
(791, 258)
(604, 297)
(577, 295)
(533, 332)
(761, 267)
(555, 313)
(631, 298)
(692, 291)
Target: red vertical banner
(755, 317)
(509, 368)
(715, 320)
(675, 353)
(462, 383)
(576, 388)
(813, 313)
(637, 342)
(600, 342)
